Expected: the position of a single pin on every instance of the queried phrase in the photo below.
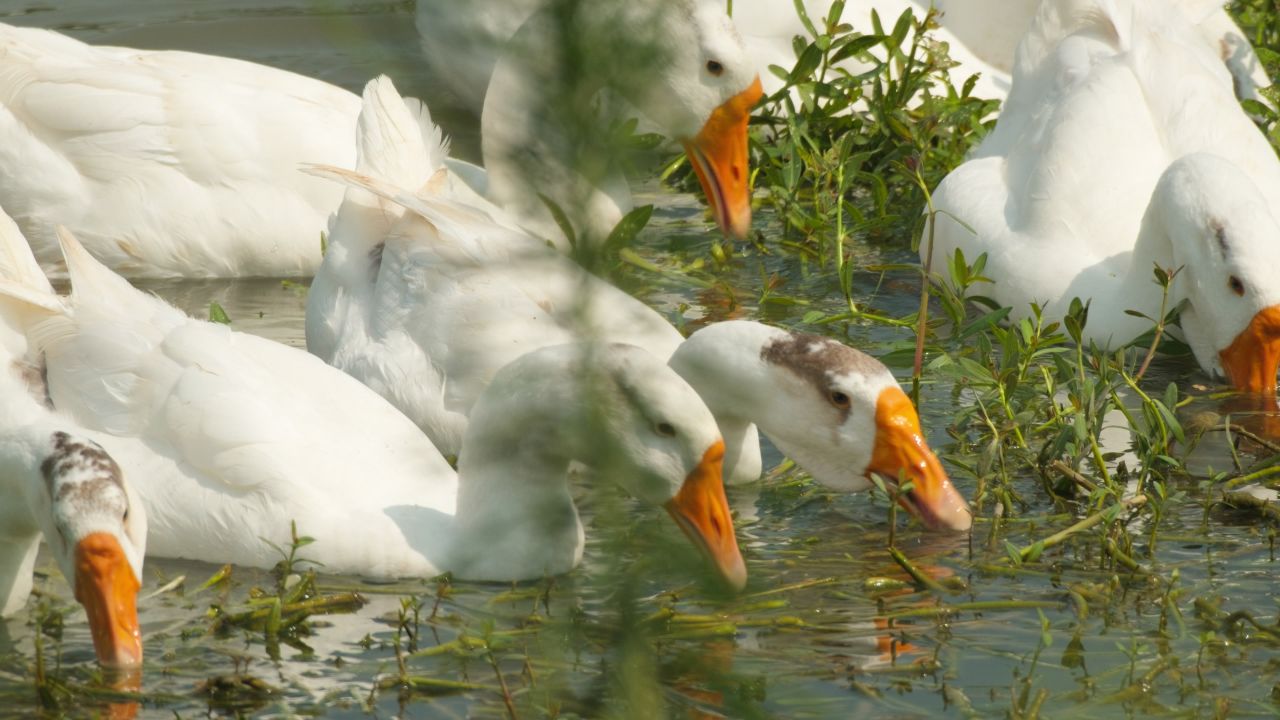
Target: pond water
(829, 626)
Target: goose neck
(723, 364)
(515, 516)
(541, 134)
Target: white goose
(680, 63)
(425, 306)
(228, 437)
(991, 30)
(462, 41)
(167, 163)
(62, 486)
(175, 163)
(1122, 146)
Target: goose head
(97, 529)
(614, 407)
(838, 412)
(703, 97)
(670, 445)
(1227, 243)
(679, 63)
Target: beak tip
(736, 575)
(947, 512)
(739, 227)
(959, 522)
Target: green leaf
(1073, 655)
(217, 314)
(803, 14)
(833, 15)
(901, 28)
(562, 220)
(1014, 553)
(807, 63)
(1035, 551)
(984, 322)
(630, 256)
(628, 227)
(847, 48)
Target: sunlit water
(810, 638)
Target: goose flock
(446, 321)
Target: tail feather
(17, 263)
(89, 278)
(21, 278)
(396, 139)
(425, 205)
(444, 213)
(1055, 20)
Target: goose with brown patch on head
(837, 411)
(60, 485)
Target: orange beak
(108, 590)
(719, 156)
(1252, 358)
(901, 455)
(702, 512)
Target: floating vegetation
(282, 614)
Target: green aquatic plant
(843, 155)
(282, 614)
(217, 314)
(1261, 25)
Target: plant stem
(1058, 537)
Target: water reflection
(128, 681)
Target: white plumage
(228, 437)
(424, 297)
(1122, 146)
(167, 163)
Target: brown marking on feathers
(1220, 234)
(816, 359)
(69, 455)
(34, 376)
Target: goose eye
(839, 399)
(715, 68)
(1237, 287)
(665, 429)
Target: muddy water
(818, 634)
